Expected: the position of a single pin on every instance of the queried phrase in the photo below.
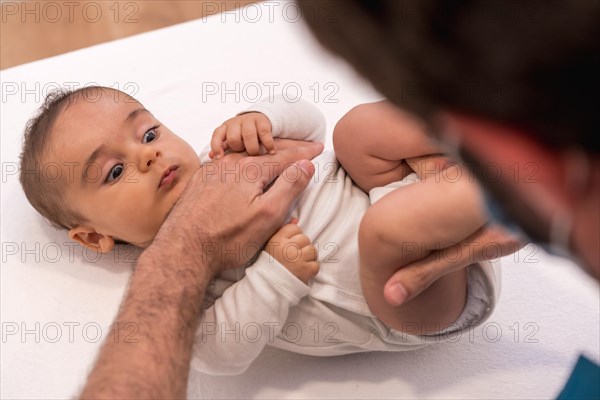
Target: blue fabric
(584, 382)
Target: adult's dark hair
(532, 64)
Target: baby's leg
(372, 142)
(405, 226)
(378, 144)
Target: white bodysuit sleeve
(235, 330)
(300, 120)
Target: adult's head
(512, 83)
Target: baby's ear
(88, 237)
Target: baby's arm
(266, 120)
(235, 330)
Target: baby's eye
(149, 136)
(114, 173)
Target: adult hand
(489, 242)
(225, 215)
(224, 205)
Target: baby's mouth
(168, 177)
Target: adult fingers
(274, 165)
(495, 241)
(415, 277)
(257, 172)
(284, 191)
(489, 242)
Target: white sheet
(548, 313)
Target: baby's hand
(294, 251)
(243, 132)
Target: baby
(308, 291)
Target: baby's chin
(147, 242)
(137, 242)
(144, 244)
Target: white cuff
(277, 276)
(300, 120)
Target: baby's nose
(151, 157)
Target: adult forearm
(216, 213)
(161, 308)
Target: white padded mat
(58, 301)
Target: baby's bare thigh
(436, 308)
(373, 140)
(392, 236)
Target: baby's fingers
(310, 253)
(312, 268)
(288, 230)
(216, 142)
(234, 135)
(250, 137)
(265, 135)
(300, 239)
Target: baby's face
(125, 169)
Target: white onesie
(246, 309)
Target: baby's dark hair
(46, 194)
